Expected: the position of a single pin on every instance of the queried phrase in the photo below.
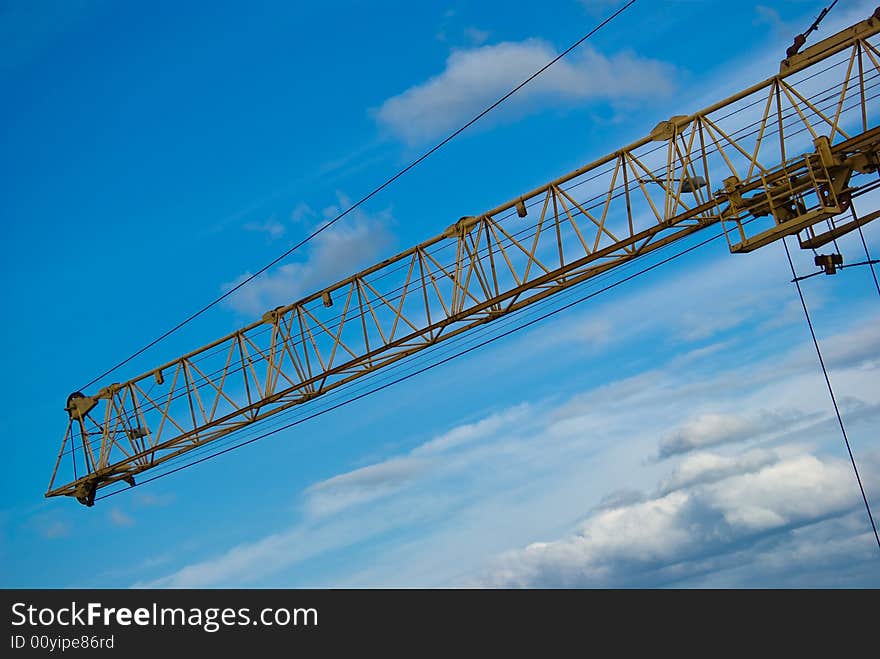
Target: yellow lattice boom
(785, 156)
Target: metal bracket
(829, 262)
(78, 405)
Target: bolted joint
(272, 316)
(109, 391)
(461, 227)
(666, 130)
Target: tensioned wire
(368, 196)
(837, 413)
(538, 201)
(504, 320)
(599, 197)
(129, 414)
(222, 446)
(259, 429)
(583, 180)
(219, 447)
(708, 151)
(364, 199)
(430, 366)
(360, 384)
(519, 234)
(98, 438)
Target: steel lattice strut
(787, 155)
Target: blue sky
(675, 432)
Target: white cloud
(474, 78)
(620, 498)
(252, 559)
(356, 241)
(707, 430)
(836, 553)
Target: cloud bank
(763, 504)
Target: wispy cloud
(475, 77)
(475, 36)
(118, 517)
(361, 485)
(385, 478)
(52, 529)
(765, 15)
(301, 212)
(695, 318)
(148, 499)
(712, 429)
(270, 226)
(357, 241)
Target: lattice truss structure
(785, 156)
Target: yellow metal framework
(785, 156)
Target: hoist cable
(852, 458)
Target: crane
(787, 156)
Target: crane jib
(787, 156)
